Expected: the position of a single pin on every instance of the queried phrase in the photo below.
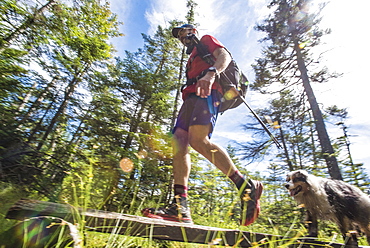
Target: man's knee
(198, 142)
(198, 137)
(195, 142)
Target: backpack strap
(204, 53)
(191, 81)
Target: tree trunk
(327, 149)
(35, 105)
(26, 24)
(286, 152)
(67, 97)
(135, 121)
(178, 92)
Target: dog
(332, 200)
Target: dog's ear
(289, 176)
(298, 175)
(301, 175)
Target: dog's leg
(311, 221)
(348, 231)
(366, 229)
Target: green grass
(10, 194)
(77, 192)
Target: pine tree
(137, 100)
(190, 19)
(291, 32)
(65, 43)
(353, 173)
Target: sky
(233, 22)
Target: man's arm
(223, 59)
(204, 85)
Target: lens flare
(126, 165)
(230, 94)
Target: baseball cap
(175, 31)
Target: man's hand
(204, 85)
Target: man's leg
(178, 210)
(249, 191)
(199, 140)
(181, 157)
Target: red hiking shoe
(250, 202)
(177, 211)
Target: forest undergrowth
(223, 215)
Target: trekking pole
(258, 119)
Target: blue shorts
(199, 111)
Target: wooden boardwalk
(111, 222)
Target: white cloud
(122, 10)
(163, 11)
(347, 54)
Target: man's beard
(189, 43)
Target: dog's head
(297, 182)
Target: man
(194, 126)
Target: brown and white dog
(333, 200)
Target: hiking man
(194, 127)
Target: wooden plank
(111, 222)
